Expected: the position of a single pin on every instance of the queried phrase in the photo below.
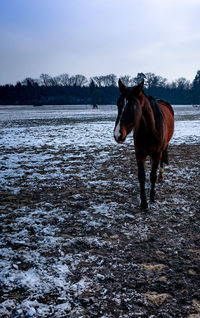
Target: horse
(152, 123)
(95, 106)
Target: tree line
(77, 89)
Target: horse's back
(168, 114)
(163, 104)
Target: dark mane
(157, 111)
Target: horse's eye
(134, 105)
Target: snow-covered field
(67, 206)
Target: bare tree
(47, 80)
(109, 80)
(80, 80)
(139, 78)
(126, 80)
(162, 82)
(151, 80)
(183, 83)
(28, 81)
(98, 80)
(62, 80)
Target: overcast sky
(99, 37)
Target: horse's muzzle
(119, 138)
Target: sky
(99, 37)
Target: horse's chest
(146, 142)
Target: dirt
(143, 264)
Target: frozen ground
(73, 240)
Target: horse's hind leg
(141, 178)
(153, 176)
(164, 159)
(161, 172)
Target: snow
(37, 146)
(76, 133)
(186, 132)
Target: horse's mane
(157, 111)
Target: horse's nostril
(119, 138)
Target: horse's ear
(140, 86)
(122, 87)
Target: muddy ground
(120, 262)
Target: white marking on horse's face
(117, 132)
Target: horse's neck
(147, 118)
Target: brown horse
(152, 122)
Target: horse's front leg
(141, 178)
(153, 177)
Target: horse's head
(129, 110)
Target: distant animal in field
(95, 106)
(152, 123)
(196, 106)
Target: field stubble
(74, 242)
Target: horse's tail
(165, 158)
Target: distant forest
(72, 90)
